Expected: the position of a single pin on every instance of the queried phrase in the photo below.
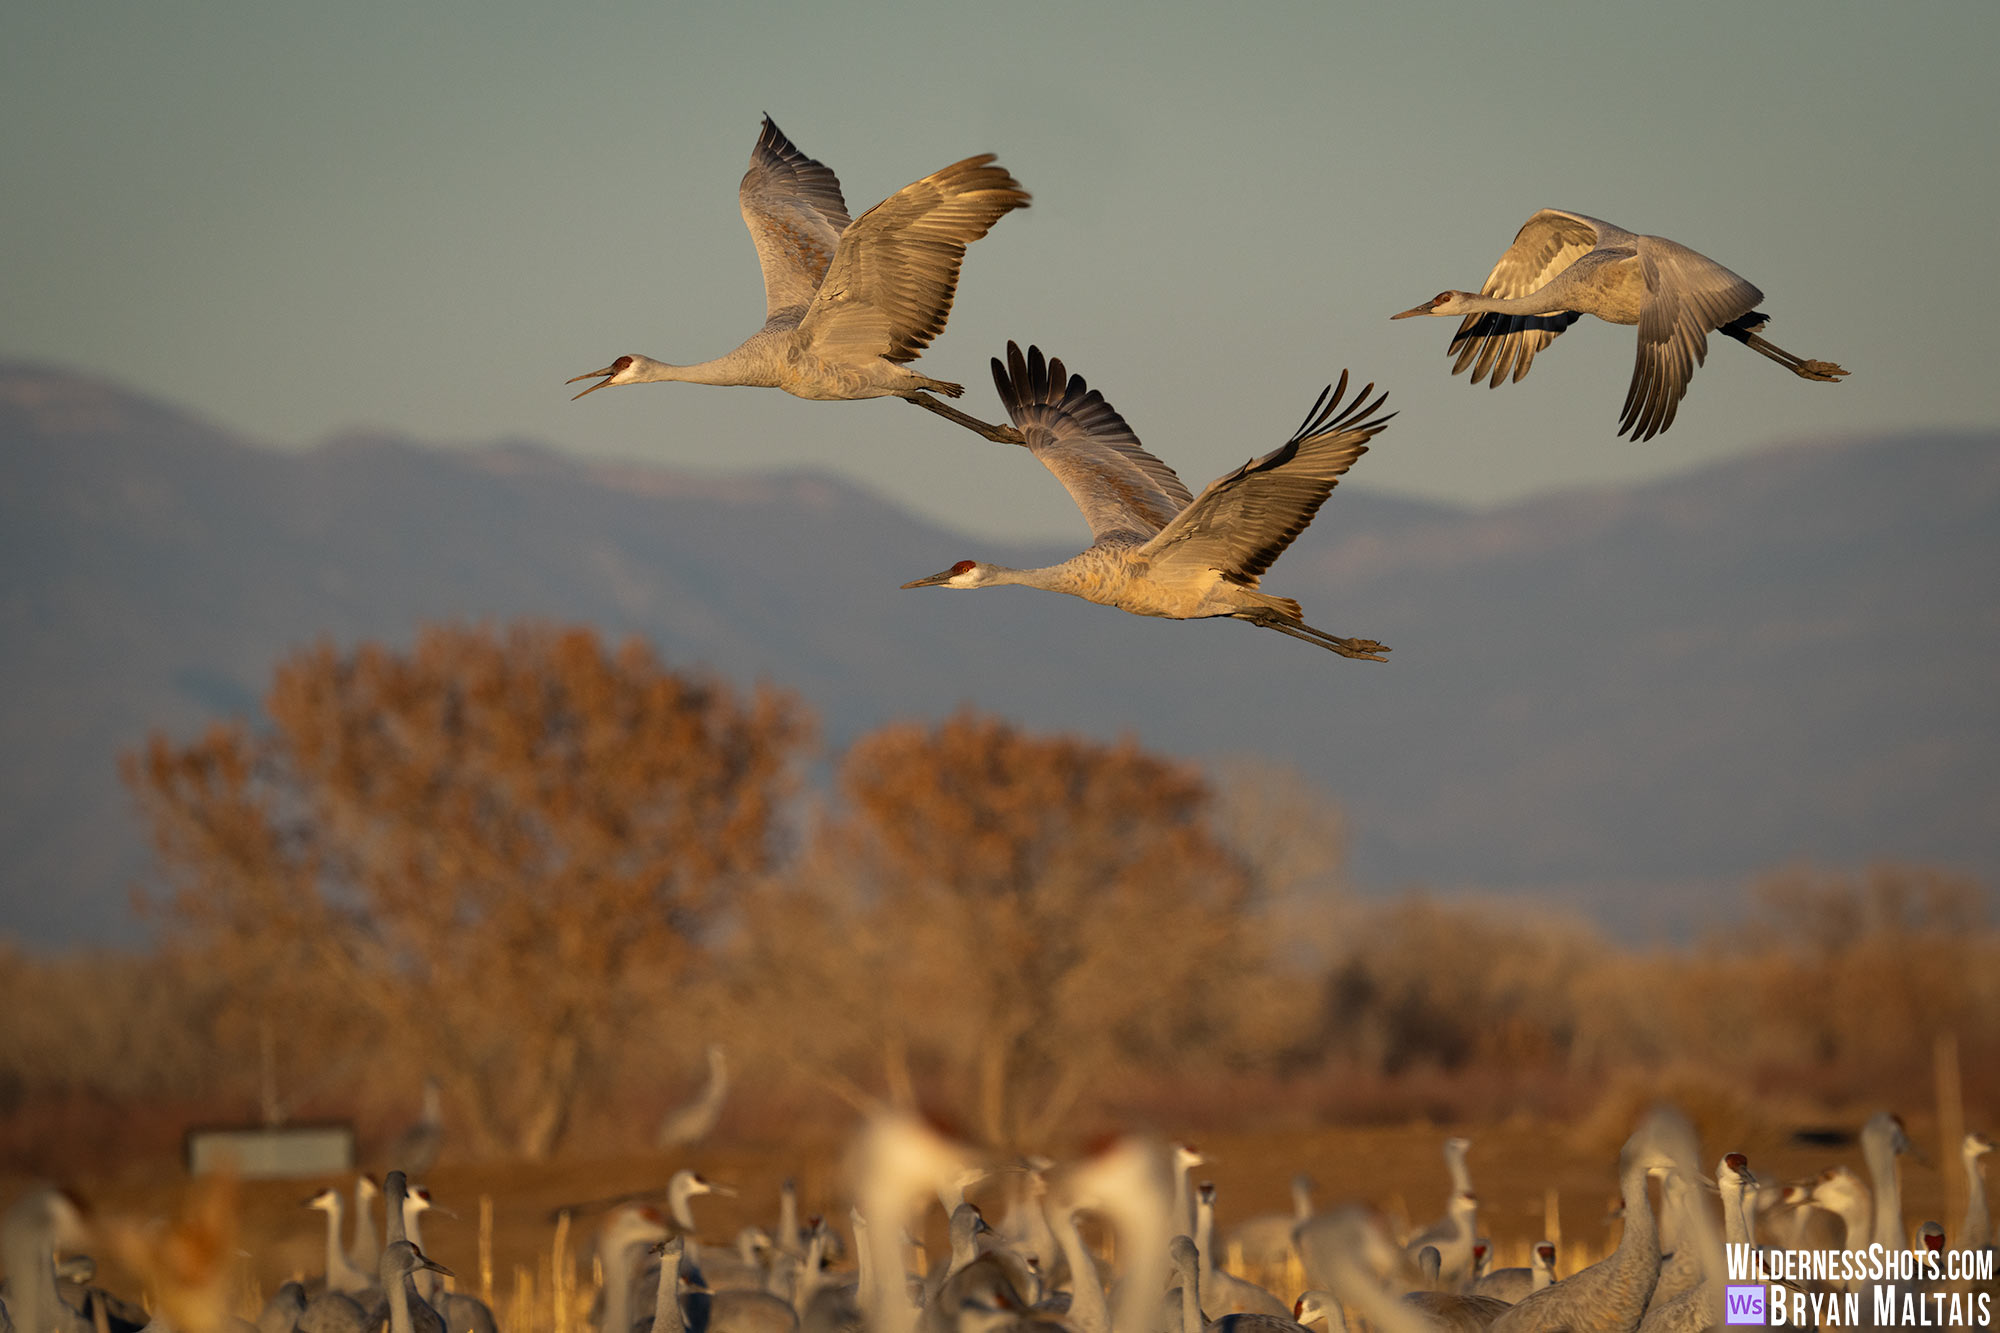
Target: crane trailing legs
(1563, 266)
(848, 303)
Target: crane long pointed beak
(607, 373)
(931, 582)
(1423, 309)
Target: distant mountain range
(1630, 700)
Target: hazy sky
(299, 219)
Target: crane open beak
(1423, 309)
(607, 373)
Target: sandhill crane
(1265, 1241)
(697, 1119)
(1319, 1307)
(1222, 1292)
(1610, 1296)
(33, 1227)
(1838, 1190)
(460, 1312)
(1129, 1184)
(415, 1150)
(618, 1243)
(847, 304)
(282, 1312)
(1511, 1284)
(366, 1251)
(341, 1274)
(1452, 1238)
(1882, 1142)
(1191, 1267)
(401, 1261)
(1087, 1312)
(1160, 551)
(1563, 266)
(1700, 1306)
(1186, 1156)
(1977, 1232)
(1680, 1265)
(1349, 1248)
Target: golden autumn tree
(1032, 913)
(476, 849)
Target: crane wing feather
(1687, 294)
(889, 288)
(1242, 522)
(1118, 486)
(1498, 348)
(793, 208)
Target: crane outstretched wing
(1503, 346)
(795, 214)
(888, 290)
(1687, 294)
(1242, 522)
(1081, 439)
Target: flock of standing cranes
(1156, 1264)
(849, 303)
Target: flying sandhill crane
(415, 1150)
(847, 304)
(696, 1120)
(1159, 550)
(1563, 266)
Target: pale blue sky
(298, 219)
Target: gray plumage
(409, 1312)
(1563, 266)
(847, 304)
(282, 1312)
(696, 1120)
(1610, 1296)
(1160, 551)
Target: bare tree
(1025, 912)
(473, 847)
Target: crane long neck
(1087, 1309)
(1881, 1156)
(667, 1315)
(336, 1259)
(735, 368)
(1191, 1298)
(1978, 1221)
(1641, 1239)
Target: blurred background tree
(1036, 914)
(475, 849)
